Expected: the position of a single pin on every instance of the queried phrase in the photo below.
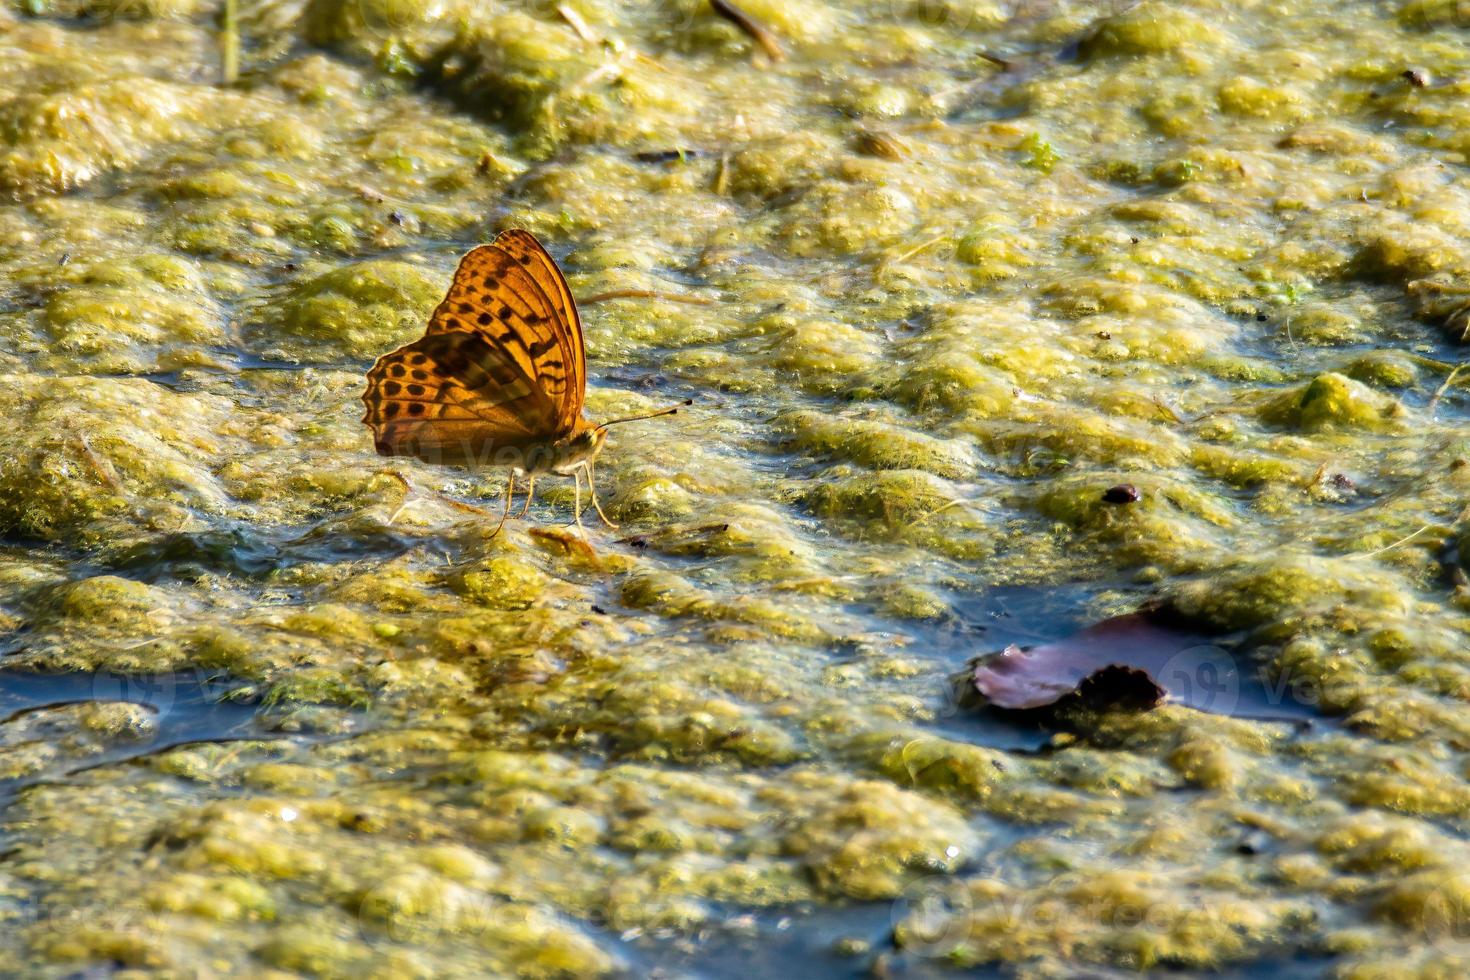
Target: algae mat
(935, 280)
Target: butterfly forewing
(496, 295)
(501, 366)
(531, 256)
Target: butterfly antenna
(671, 410)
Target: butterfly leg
(530, 489)
(592, 485)
(577, 510)
(510, 489)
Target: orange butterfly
(499, 377)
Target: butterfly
(499, 377)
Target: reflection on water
(182, 708)
(808, 942)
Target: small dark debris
(667, 156)
(1104, 335)
(599, 610)
(65, 258)
(881, 145)
(397, 217)
(1121, 688)
(757, 31)
(1417, 77)
(1261, 318)
(1123, 493)
(1133, 239)
(1252, 844)
(638, 541)
(290, 267)
(1343, 482)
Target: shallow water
(1215, 250)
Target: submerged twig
(884, 264)
(1457, 522)
(646, 294)
(917, 249)
(397, 477)
(104, 469)
(1439, 393)
(409, 500)
(229, 42)
(1167, 409)
(758, 31)
(1389, 547)
(922, 518)
(722, 176)
(569, 544)
(575, 21)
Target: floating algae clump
(870, 838)
(366, 25)
(90, 457)
(134, 316)
(57, 141)
(878, 445)
(1333, 402)
(1150, 28)
(359, 310)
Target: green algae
(947, 309)
(1334, 402)
(358, 309)
(57, 141)
(1149, 28)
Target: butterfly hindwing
(454, 398)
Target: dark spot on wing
(415, 408)
(416, 390)
(391, 388)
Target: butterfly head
(576, 450)
(587, 443)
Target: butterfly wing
(533, 257)
(502, 293)
(455, 398)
